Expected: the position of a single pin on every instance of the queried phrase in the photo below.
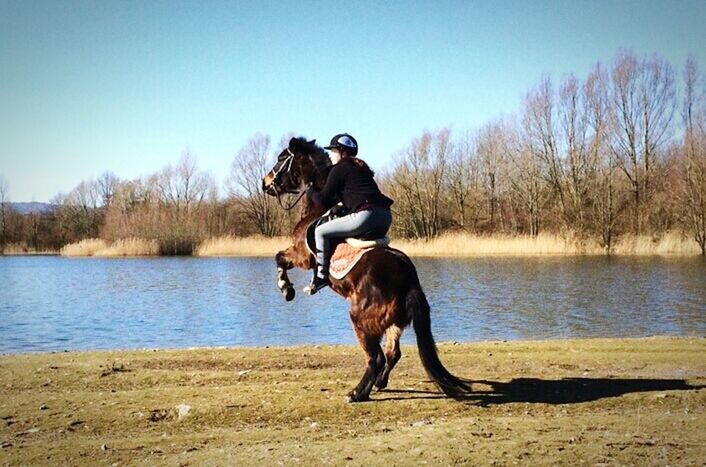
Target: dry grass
(469, 245)
(466, 245)
(11, 249)
(242, 246)
(122, 247)
(447, 245)
(567, 402)
(131, 247)
(86, 247)
(671, 243)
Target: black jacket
(352, 185)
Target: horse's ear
(312, 142)
(293, 144)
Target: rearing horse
(383, 288)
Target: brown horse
(383, 288)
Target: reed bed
(86, 247)
(121, 247)
(671, 243)
(242, 246)
(447, 245)
(131, 247)
(470, 245)
(17, 249)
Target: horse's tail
(418, 307)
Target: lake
(53, 303)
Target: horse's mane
(317, 153)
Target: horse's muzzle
(268, 185)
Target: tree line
(178, 206)
(617, 152)
(620, 151)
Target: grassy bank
(604, 401)
(447, 245)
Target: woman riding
(350, 181)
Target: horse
(383, 287)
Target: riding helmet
(344, 141)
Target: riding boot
(320, 279)
(318, 283)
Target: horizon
(127, 86)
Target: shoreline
(632, 401)
(413, 256)
(256, 348)
(449, 245)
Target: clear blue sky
(126, 86)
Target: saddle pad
(344, 258)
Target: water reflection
(52, 303)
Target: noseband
(284, 168)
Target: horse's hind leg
(371, 346)
(392, 355)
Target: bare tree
(107, 184)
(79, 210)
(528, 186)
(491, 157)
(250, 164)
(604, 188)
(644, 99)
(539, 119)
(175, 207)
(693, 195)
(462, 176)
(417, 184)
(556, 131)
(184, 187)
(134, 211)
(183, 192)
(576, 141)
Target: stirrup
(317, 283)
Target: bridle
(284, 168)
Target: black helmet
(344, 141)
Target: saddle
(346, 252)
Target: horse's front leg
(284, 263)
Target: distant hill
(31, 208)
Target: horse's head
(302, 163)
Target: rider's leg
(347, 226)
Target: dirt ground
(596, 402)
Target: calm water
(53, 303)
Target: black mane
(318, 155)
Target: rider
(351, 182)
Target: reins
(291, 206)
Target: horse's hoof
(380, 385)
(353, 397)
(289, 294)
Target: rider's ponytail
(360, 163)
